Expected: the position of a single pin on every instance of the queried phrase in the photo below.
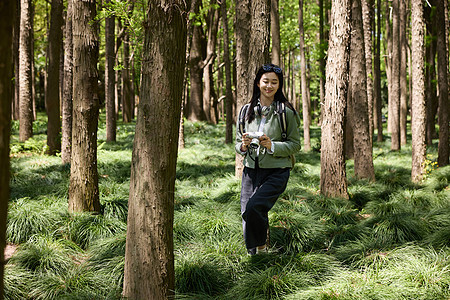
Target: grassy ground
(389, 241)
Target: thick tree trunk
(333, 181)
(275, 31)
(25, 80)
(6, 66)
(395, 77)
(229, 137)
(83, 188)
(367, 16)
(362, 142)
(377, 78)
(418, 112)
(305, 100)
(442, 55)
(111, 123)
(67, 101)
(403, 71)
(52, 89)
(149, 258)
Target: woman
(267, 166)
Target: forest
(118, 172)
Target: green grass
(390, 240)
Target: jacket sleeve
(292, 144)
(239, 140)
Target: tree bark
(304, 85)
(377, 78)
(275, 31)
(430, 74)
(395, 77)
(25, 82)
(83, 188)
(111, 122)
(127, 97)
(149, 258)
(442, 58)
(6, 66)
(367, 17)
(418, 110)
(52, 100)
(228, 91)
(16, 37)
(333, 181)
(67, 102)
(403, 71)
(322, 52)
(362, 142)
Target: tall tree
(6, 63)
(442, 54)
(333, 181)
(25, 80)
(395, 77)
(228, 91)
(275, 31)
(362, 142)
(52, 100)
(403, 71)
(418, 112)
(83, 188)
(430, 72)
(252, 51)
(16, 37)
(149, 260)
(111, 123)
(367, 16)
(378, 120)
(304, 84)
(127, 96)
(322, 49)
(67, 101)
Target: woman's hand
(245, 142)
(265, 142)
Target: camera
(254, 144)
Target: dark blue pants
(260, 190)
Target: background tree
(367, 16)
(333, 181)
(83, 189)
(149, 247)
(52, 99)
(25, 80)
(67, 101)
(229, 135)
(395, 77)
(304, 85)
(418, 112)
(378, 119)
(275, 32)
(110, 77)
(362, 142)
(6, 66)
(403, 71)
(442, 58)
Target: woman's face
(268, 85)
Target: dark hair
(279, 95)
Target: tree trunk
(377, 78)
(67, 102)
(442, 58)
(388, 62)
(322, 52)
(252, 51)
(6, 67)
(362, 142)
(403, 71)
(149, 259)
(430, 75)
(25, 82)
(305, 100)
(275, 30)
(83, 188)
(367, 16)
(52, 88)
(111, 123)
(333, 181)
(127, 97)
(16, 37)
(395, 77)
(229, 137)
(418, 110)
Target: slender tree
(362, 142)
(6, 63)
(25, 80)
(403, 71)
(52, 99)
(378, 119)
(228, 92)
(304, 85)
(442, 54)
(275, 32)
(83, 188)
(430, 72)
(16, 37)
(395, 76)
(149, 260)
(67, 101)
(418, 112)
(367, 16)
(333, 181)
(111, 123)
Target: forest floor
(390, 240)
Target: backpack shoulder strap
(281, 109)
(242, 115)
